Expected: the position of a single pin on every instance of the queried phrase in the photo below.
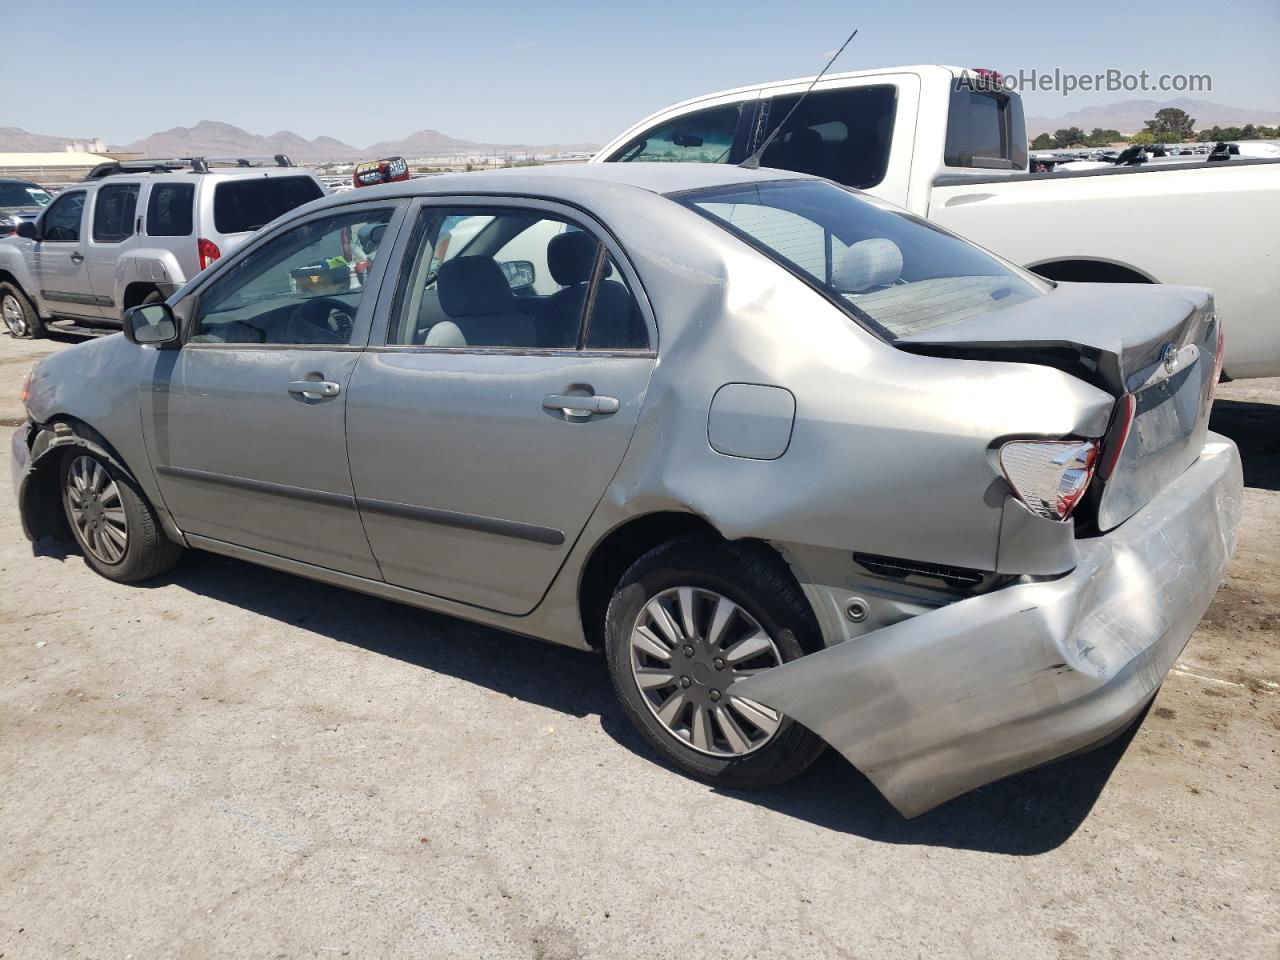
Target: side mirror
(27, 230)
(519, 273)
(152, 323)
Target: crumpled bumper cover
(956, 698)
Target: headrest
(472, 286)
(867, 264)
(807, 150)
(570, 257)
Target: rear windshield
(985, 129)
(241, 206)
(896, 273)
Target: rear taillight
(1217, 363)
(1118, 435)
(208, 251)
(1049, 476)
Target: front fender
(35, 467)
(14, 260)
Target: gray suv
(134, 232)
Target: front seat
(476, 297)
(570, 258)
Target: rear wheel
(113, 523)
(690, 620)
(19, 315)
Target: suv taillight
(1049, 476)
(208, 251)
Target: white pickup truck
(956, 153)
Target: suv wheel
(687, 621)
(20, 317)
(113, 523)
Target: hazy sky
(541, 72)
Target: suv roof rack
(113, 168)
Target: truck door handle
(315, 389)
(576, 406)
(77, 256)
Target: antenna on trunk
(753, 162)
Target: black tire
(29, 325)
(754, 578)
(155, 296)
(148, 551)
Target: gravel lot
(237, 763)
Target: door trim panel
(465, 521)
(258, 486)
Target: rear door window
(705, 136)
(113, 212)
(169, 210)
(242, 206)
(985, 129)
(843, 134)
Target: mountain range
(214, 138)
(1130, 116)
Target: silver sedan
(806, 469)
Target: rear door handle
(77, 256)
(315, 389)
(574, 406)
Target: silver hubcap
(14, 318)
(96, 510)
(688, 647)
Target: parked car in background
(804, 466)
(134, 232)
(956, 152)
(20, 200)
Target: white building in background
(50, 167)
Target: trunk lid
(1153, 347)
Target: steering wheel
(329, 320)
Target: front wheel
(687, 622)
(19, 314)
(116, 528)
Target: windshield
(23, 195)
(898, 274)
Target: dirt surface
(237, 763)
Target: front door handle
(577, 406)
(77, 256)
(315, 389)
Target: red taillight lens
(1118, 435)
(1049, 476)
(208, 251)
(1217, 364)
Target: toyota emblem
(1169, 357)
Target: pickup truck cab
(946, 146)
(135, 232)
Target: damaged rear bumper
(956, 698)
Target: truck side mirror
(151, 323)
(27, 230)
